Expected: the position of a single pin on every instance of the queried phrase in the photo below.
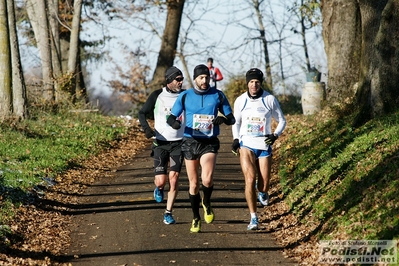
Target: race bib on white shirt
(167, 110)
(255, 126)
(202, 125)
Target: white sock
(253, 215)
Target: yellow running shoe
(209, 216)
(195, 226)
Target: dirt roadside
(117, 222)
(101, 212)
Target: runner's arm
(218, 75)
(148, 109)
(278, 115)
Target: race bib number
(255, 126)
(167, 111)
(202, 125)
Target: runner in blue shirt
(204, 108)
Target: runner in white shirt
(253, 139)
(166, 147)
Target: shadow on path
(117, 221)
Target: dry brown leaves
(40, 230)
(43, 231)
(278, 219)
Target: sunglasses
(179, 79)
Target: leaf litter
(41, 229)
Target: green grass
(45, 145)
(344, 179)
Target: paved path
(119, 223)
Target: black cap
(171, 73)
(254, 73)
(210, 59)
(201, 70)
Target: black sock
(195, 203)
(207, 195)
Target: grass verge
(33, 151)
(343, 180)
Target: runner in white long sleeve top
(253, 138)
(166, 148)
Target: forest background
(341, 166)
(120, 45)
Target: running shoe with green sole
(195, 226)
(209, 216)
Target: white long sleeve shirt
(160, 103)
(254, 117)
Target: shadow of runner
(117, 222)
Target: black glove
(149, 133)
(175, 124)
(219, 120)
(235, 146)
(270, 139)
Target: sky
(214, 29)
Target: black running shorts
(167, 152)
(193, 149)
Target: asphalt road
(119, 223)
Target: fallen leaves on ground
(41, 230)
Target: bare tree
(19, 102)
(5, 64)
(56, 28)
(258, 35)
(55, 38)
(360, 40)
(38, 17)
(190, 47)
(12, 90)
(281, 22)
(73, 67)
(262, 37)
(170, 36)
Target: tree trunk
(38, 17)
(169, 42)
(5, 64)
(73, 68)
(361, 40)
(55, 38)
(379, 66)
(74, 40)
(342, 42)
(303, 35)
(19, 102)
(269, 80)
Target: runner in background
(214, 73)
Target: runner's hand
(235, 146)
(219, 120)
(149, 133)
(270, 139)
(175, 124)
